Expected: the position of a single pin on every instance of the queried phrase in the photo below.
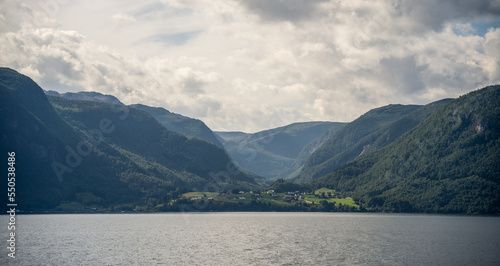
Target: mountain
(94, 152)
(310, 148)
(232, 136)
(447, 163)
(174, 122)
(86, 96)
(181, 124)
(355, 138)
(271, 153)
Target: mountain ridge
(348, 136)
(447, 163)
(181, 124)
(184, 125)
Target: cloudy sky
(249, 65)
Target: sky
(250, 65)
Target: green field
(276, 200)
(317, 199)
(346, 201)
(199, 194)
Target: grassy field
(346, 201)
(278, 199)
(199, 194)
(316, 199)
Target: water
(253, 239)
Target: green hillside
(448, 163)
(349, 142)
(181, 124)
(174, 122)
(311, 147)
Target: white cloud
(123, 18)
(252, 65)
(492, 54)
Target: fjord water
(254, 239)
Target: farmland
(321, 199)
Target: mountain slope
(33, 131)
(108, 153)
(86, 96)
(271, 153)
(174, 122)
(310, 148)
(448, 163)
(180, 124)
(347, 143)
(140, 134)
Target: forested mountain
(369, 132)
(181, 124)
(174, 122)
(92, 152)
(447, 163)
(310, 148)
(271, 153)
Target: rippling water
(253, 239)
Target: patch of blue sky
(482, 27)
(478, 27)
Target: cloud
(172, 38)
(255, 65)
(403, 74)
(15, 15)
(434, 15)
(159, 10)
(492, 52)
(289, 10)
(123, 18)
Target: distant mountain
(447, 163)
(93, 152)
(271, 153)
(86, 96)
(181, 124)
(371, 131)
(236, 136)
